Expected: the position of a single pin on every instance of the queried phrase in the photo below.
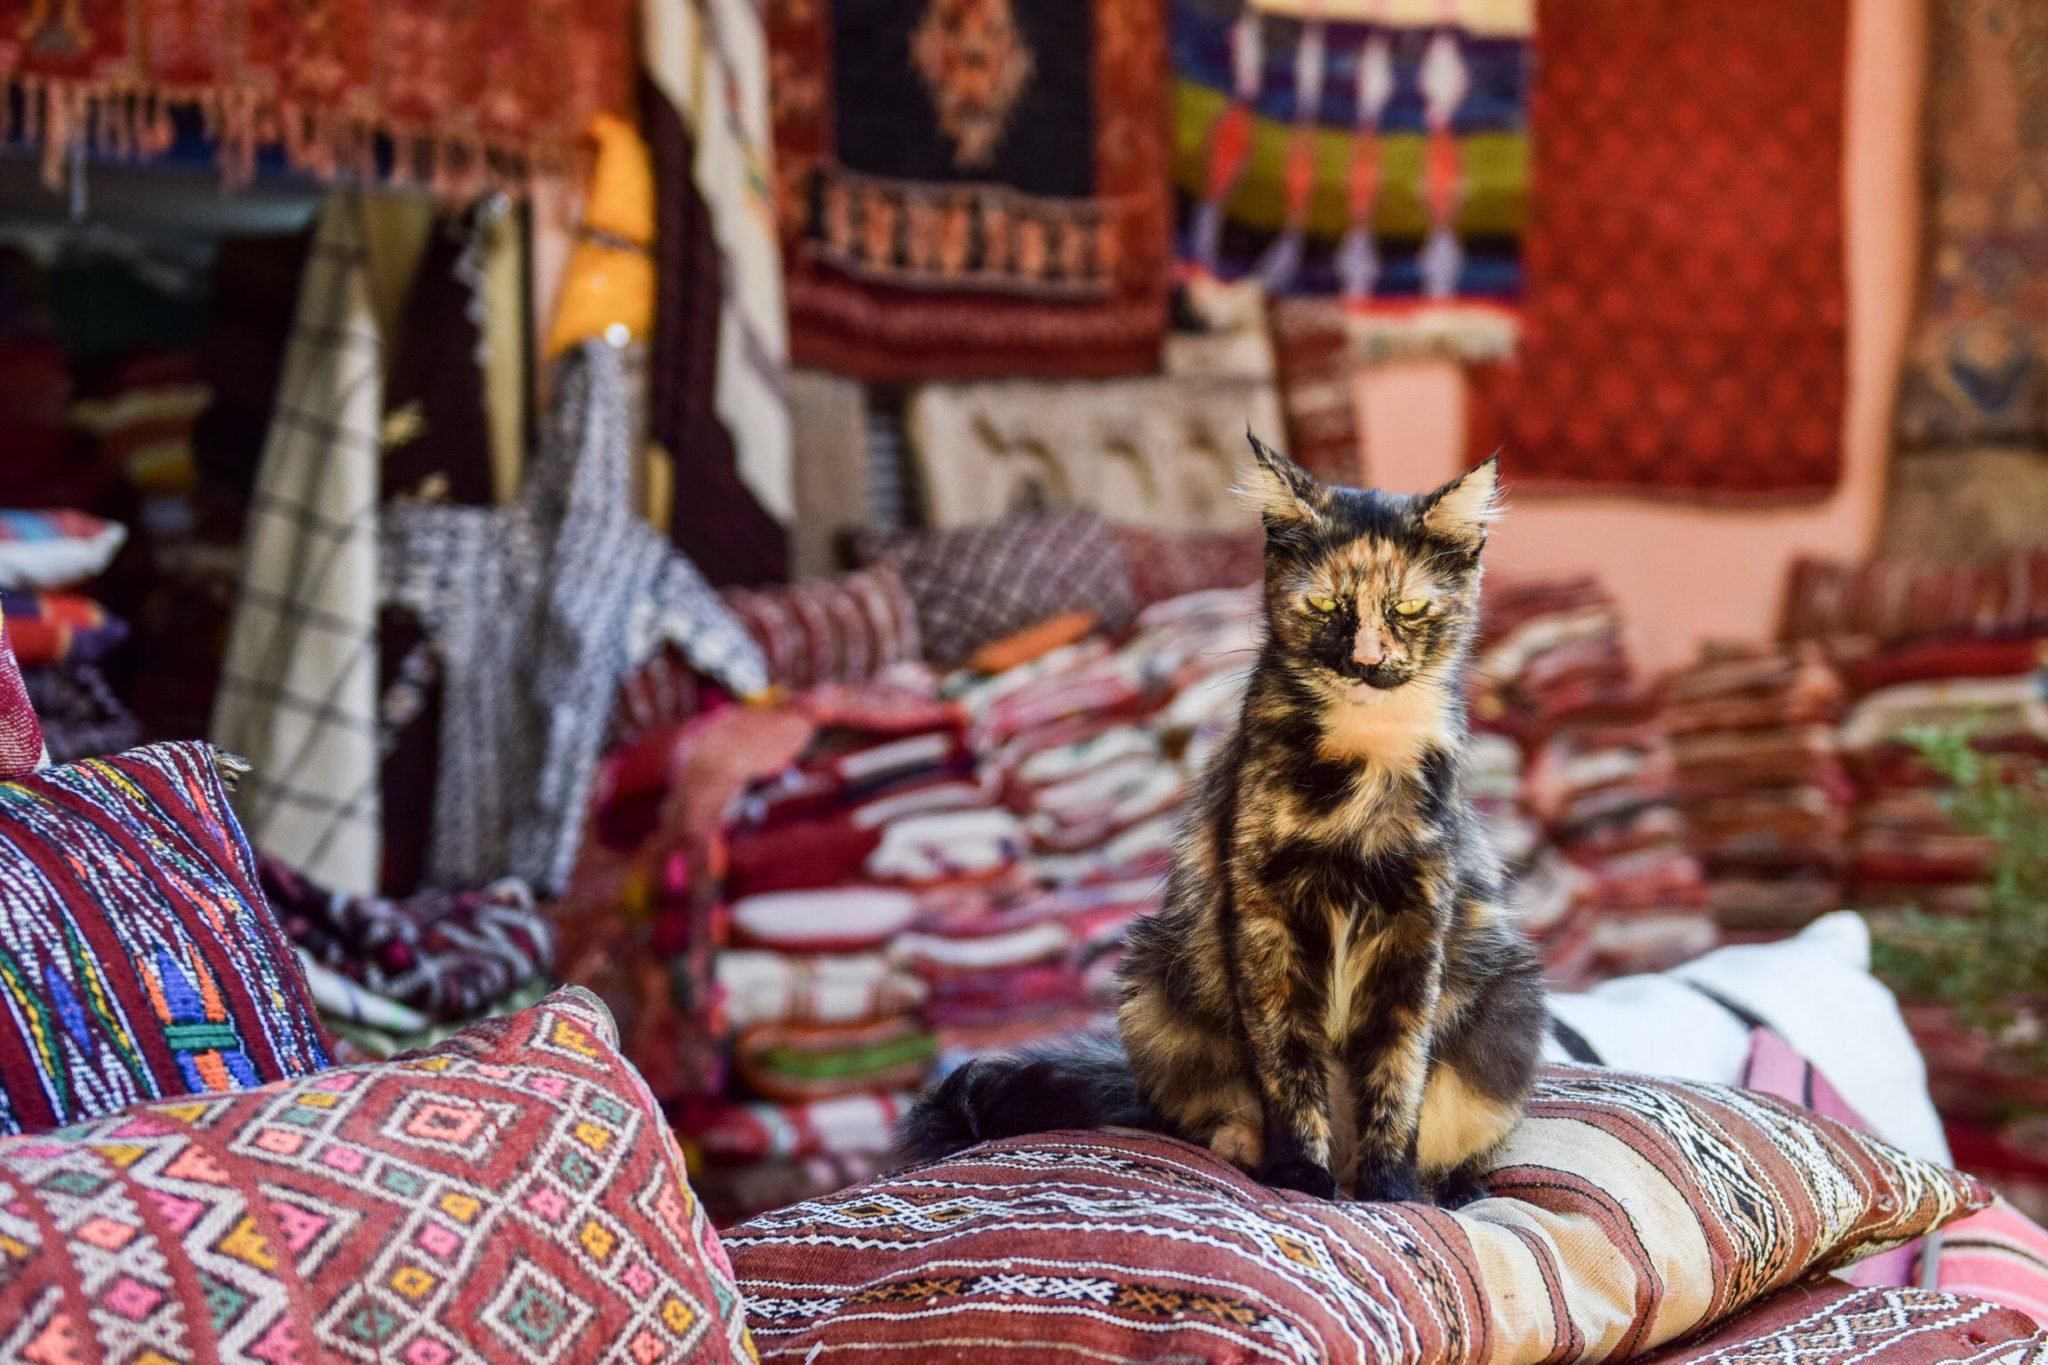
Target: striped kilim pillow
(1831, 1324)
(1628, 1212)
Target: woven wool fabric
(838, 630)
(1628, 1211)
(1976, 368)
(1165, 566)
(975, 584)
(137, 956)
(465, 95)
(510, 1195)
(2001, 1255)
(298, 685)
(1683, 313)
(972, 188)
(1825, 1324)
(1892, 599)
(80, 715)
(1383, 165)
(21, 736)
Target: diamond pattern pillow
(1629, 1211)
(510, 1195)
(138, 958)
(974, 584)
(1824, 1323)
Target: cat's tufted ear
(1283, 492)
(1462, 509)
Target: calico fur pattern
(1331, 993)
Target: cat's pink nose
(1368, 649)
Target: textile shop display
(1611, 1227)
(298, 687)
(537, 611)
(1762, 781)
(1377, 158)
(137, 955)
(970, 189)
(1606, 880)
(721, 344)
(441, 94)
(1976, 363)
(511, 1194)
(1687, 214)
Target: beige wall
(1685, 574)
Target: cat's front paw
(1396, 1184)
(1299, 1173)
(1458, 1189)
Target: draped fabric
(462, 94)
(716, 400)
(1370, 154)
(1976, 369)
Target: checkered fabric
(974, 584)
(511, 1196)
(298, 691)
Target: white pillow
(55, 549)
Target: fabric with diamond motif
(1683, 316)
(511, 1195)
(1628, 1211)
(972, 188)
(137, 956)
(1830, 1324)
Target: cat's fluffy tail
(1080, 1083)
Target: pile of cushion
(60, 634)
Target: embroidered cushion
(975, 584)
(510, 1195)
(1628, 1212)
(137, 956)
(1165, 565)
(842, 630)
(1826, 1324)
(21, 735)
(60, 627)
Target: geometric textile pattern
(1830, 1324)
(509, 1196)
(844, 629)
(138, 958)
(972, 188)
(1628, 1211)
(1683, 313)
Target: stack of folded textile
(1760, 774)
(392, 975)
(60, 634)
(1904, 849)
(1620, 892)
(1545, 889)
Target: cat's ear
(1281, 490)
(1462, 509)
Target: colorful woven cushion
(54, 549)
(60, 627)
(21, 735)
(975, 584)
(1629, 1211)
(2000, 1255)
(1164, 565)
(137, 956)
(842, 630)
(510, 1195)
(1828, 1324)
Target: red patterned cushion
(21, 736)
(1628, 1211)
(842, 630)
(1830, 1324)
(510, 1195)
(138, 958)
(1164, 565)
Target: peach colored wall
(1686, 574)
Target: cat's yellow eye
(1326, 605)
(1413, 606)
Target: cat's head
(1370, 592)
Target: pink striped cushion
(2000, 1255)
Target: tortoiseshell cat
(1331, 992)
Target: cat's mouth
(1363, 682)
